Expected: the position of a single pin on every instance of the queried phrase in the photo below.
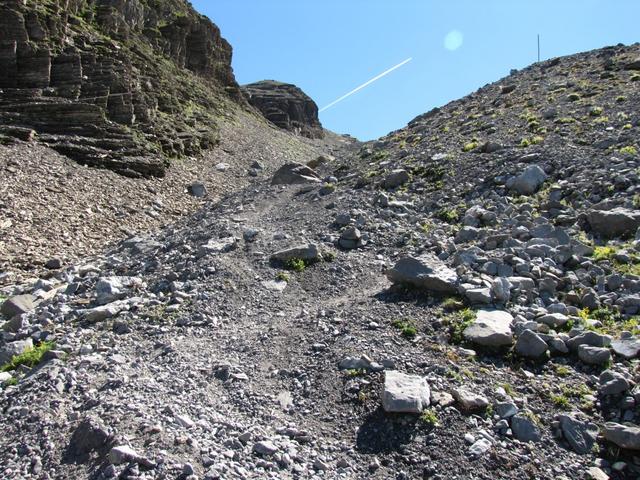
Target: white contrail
(378, 77)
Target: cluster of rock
(86, 77)
(286, 106)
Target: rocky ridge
(119, 85)
(458, 299)
(286, 106)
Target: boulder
(405, 393)
(528, 182)
(594, 355)
(593, 339)
(624, 436)
(197, 189)
(531, 345)
(627, 346)
(350, 238)
(294, 174)
(426, 272)
(396, 178)
(554, 320)
(470, 401)
(524, 429)
(612, 383)
(14, 348)
(17, 305)
(581, 435)
(616, 222)
(491, 328)
(309, 252)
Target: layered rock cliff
(286, 106)
(121, 84)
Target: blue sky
(330, 47)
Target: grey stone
(425, 272)
(293, 174)
(122, 454)
(90, 435)
(491, 328)
(396, 178)
(528, 182)
(594, 355)
(470, 401)
(612, 383)
(17, 305)
(524, 429)
(581, 435)
(624, 436)
(197, 189)
(593, 339)
(467, 234)
(505, 409)
(616, 222)
(628, 347)
(530, 345)
(480, 447)
(478, 295)
(14, 348)
(350, 238)
(308, 252)
(405, 393)
(554, 320)
(265, 448)
(501, 289)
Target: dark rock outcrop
(286, 106)
(114, 83)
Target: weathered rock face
(113, 83)
(286, 106)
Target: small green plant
(561, 401)
(11, 382)
(29, 358)
(452, 304)
(627, 126)
(596, 111)
(562, 371)
(470, 146)
(329, 256)
(295, 264)
(430, 417)
(620, 99)
(448, 215)
(629, 150)
(636, 201)
(525, 142)
(356, 372)
(283, 277)
(458, 323)
(406, 327)
(508, 389)
(603, 253)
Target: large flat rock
(491, 328)
(425, 272)
(405, 393)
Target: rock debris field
(459, 299)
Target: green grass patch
(295, 264)
(29, 358)
(406, 328)
(458, 322)
(629, 150)
(283, 277)
(430, 417)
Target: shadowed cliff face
(121, 84)
(286, 106)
